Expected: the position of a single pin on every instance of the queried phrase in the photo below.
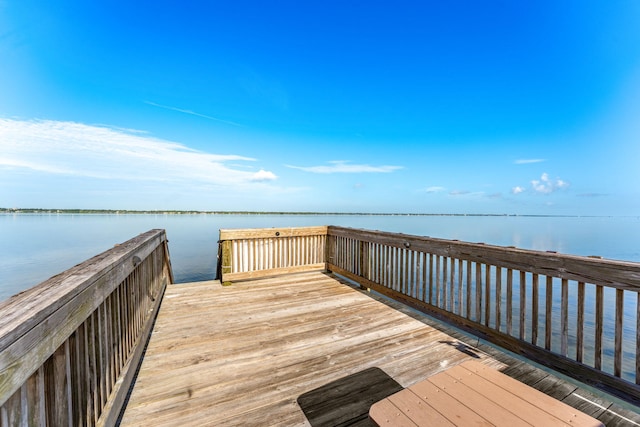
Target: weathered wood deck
(303, 349)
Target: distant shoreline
(198, 212)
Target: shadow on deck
(305, 349)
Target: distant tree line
(195, 212)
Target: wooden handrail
(560, 310)
(264, 233)
(70, 346)
(616, 274)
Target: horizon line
(247, 212)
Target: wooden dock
(303, 349)
(318, 323)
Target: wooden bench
(472, 394)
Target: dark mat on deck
(346, 402)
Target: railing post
(329, 256)
(226, 260)
(219, 261)
(364, 262)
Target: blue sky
(404, 106)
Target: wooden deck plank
(616, 415)
(242, 354)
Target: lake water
(34, 247)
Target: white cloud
(545, 185)
(342, 166)
(517, 190)
(80, 150)
(263, 175)
(528, 161)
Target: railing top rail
(259, 233)
(22, 312)
(606, 272)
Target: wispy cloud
(592, 195)
(467, 193)
(517, 190)
(434, 189)
(342, 166)
(528, 161)
(80, 150)
(193, 113)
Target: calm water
(36, 247)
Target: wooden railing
(69, 347)
(251, 253)
(577, 315)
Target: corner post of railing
(364, 262)
(329, 250)
(219, 261)
(226, 260)
(167, 259)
